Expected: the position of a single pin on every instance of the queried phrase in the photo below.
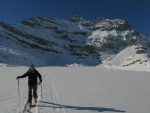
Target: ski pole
(41, 91)
(19, 95)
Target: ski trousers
(32, 91)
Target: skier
(32, 75)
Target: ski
(27, 108)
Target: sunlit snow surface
(78, 89)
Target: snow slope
(78, 90)
(127, 59)
(44, 42)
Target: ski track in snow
(48, 95)
(57, 97)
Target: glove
(17, 77)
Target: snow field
(78, 90)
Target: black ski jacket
(32, 77)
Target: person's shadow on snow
(96, 109)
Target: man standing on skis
(33, 76)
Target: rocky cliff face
(45, 41)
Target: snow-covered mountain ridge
(47, 41)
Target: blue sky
(137, 12)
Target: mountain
(55, 42)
